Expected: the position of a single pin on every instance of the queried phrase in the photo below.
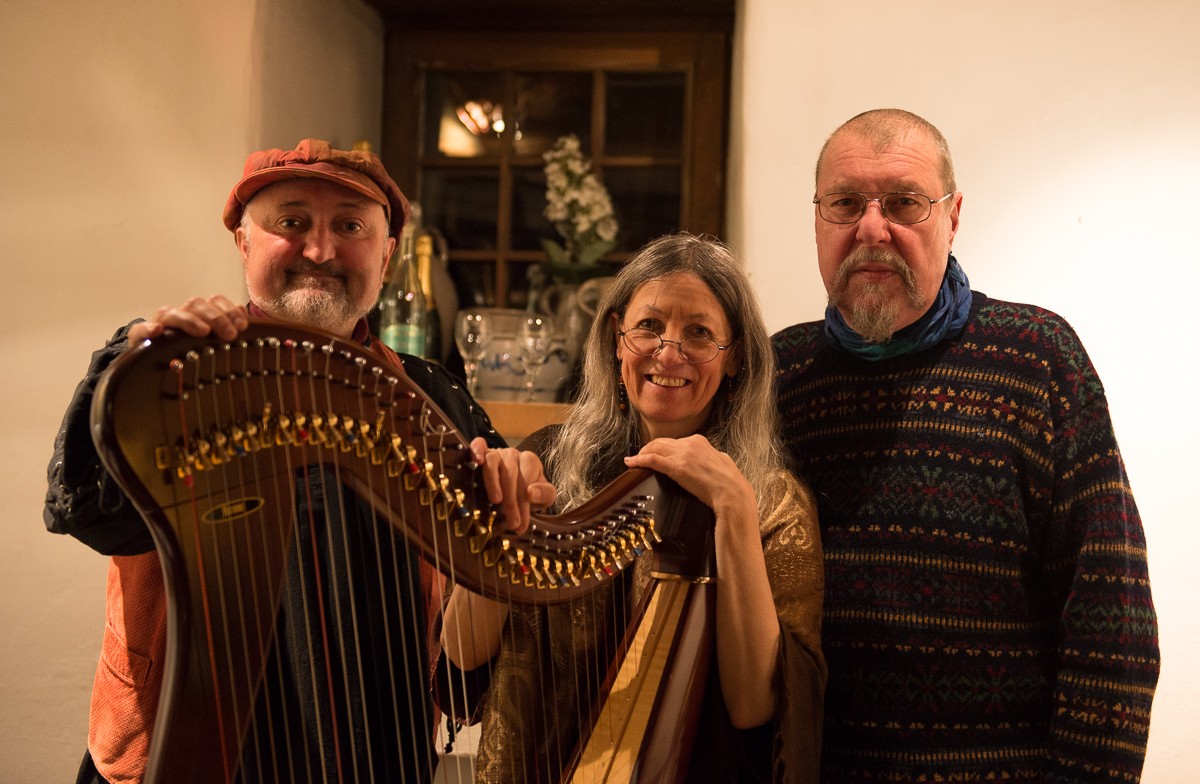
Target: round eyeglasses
(903, 208)
(647, 343)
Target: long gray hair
(743, 422)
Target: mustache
(839, 287)
(306, 267)
(861, 257)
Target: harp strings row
(226, 448)
(539, 561)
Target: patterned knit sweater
(987, 610)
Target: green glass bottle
(402, 309)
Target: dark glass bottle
(433, 319)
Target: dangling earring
(622, 393)
(730, 383)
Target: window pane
(646, 201)
(474, 282)
(550, 105)
(530, 225)
(463, 205)
(464, 113)
(518, 284)
(644, 114)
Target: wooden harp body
(210, 440)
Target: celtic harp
(292, 482)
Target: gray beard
(873, 315)
(323, 310)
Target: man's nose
(873, 228)
(319, 245)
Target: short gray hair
(883, 127)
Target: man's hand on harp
(198, 317)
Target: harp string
(251, 648)
(243, 667)
(341, 651)
(416, 421)
(262, 638)
(259, 558)
(302, 585)
(320, 640)
(460, 710)
(223, 600)
(385, 616)
(294, 591)
(612, 620)
(400, 571)
(457, 712)
(434, 441)
(177, 367)
(357, 658)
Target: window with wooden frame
(468, 116)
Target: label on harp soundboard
(232, 510)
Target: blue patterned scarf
(947, 316)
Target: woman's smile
(667, 381)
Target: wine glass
(472, 332)
(535, 340)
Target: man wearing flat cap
(315, 227)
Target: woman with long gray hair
(677, 378)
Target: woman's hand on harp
(705, 472)
(515, 481)
(197, 317)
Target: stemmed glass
(535, 340)
(471, 334)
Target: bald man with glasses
(988, 614)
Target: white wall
(1074, 126)
(125, 124)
